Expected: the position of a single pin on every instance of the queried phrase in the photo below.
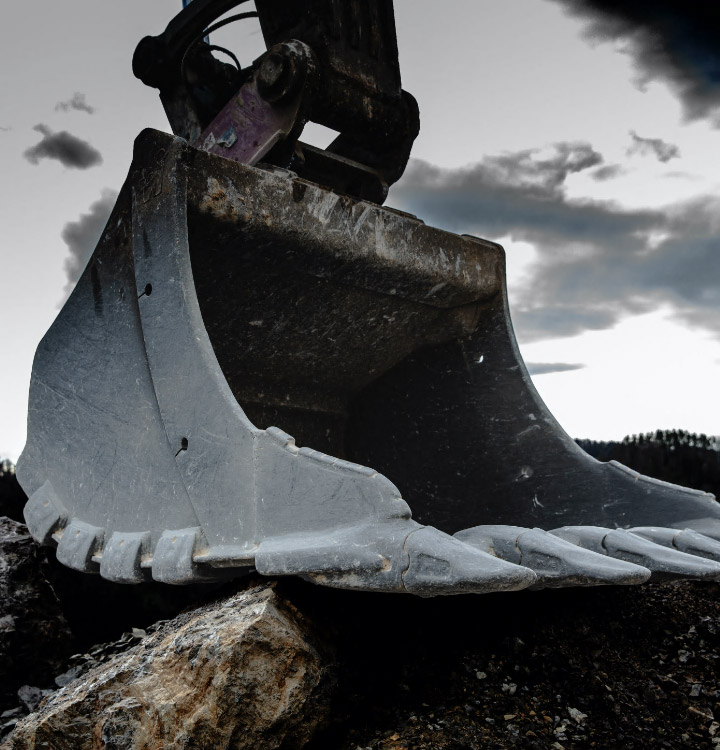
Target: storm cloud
(596, 262)
(77, 102)
(64, 147)
(660, 149)
(670, 41)
(81, 236)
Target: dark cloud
(662, 150)
(5, 128)
(64, 147)
(596, 262)
(608, 172)
(82, 235)
(541, 170)
(77, 102)
(671, 41)
(545, 368)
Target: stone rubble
(239, 673)
(35, 639)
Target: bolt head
(274, 78)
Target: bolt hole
(148, 289)
(184, 444)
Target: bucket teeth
(684, 540)
(441, 564)
(390, 556)
(556, 562)
(709, 527)
(665, 563)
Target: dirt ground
(620, 667)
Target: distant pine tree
(686, 458)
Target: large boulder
(243, 672)
(34, 636)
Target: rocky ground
(577, 668)
(606, 668)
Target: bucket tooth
(44, 513)
(393, 556)
(79, 543)
(556, 562)
(684, 540)
(709, 527)
(123, 556)
(665, 563)
(174, 557)
(440, 564)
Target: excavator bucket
(245, 280)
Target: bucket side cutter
(231, 292)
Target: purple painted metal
(247, 127)
(267, 109)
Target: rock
(34, 636)
(80, 664)
(576, 715)
(244, 672)
(30, 697)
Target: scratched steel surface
(263, 367)
(223, 300)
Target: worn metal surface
(224, 299)
(140, 461)
(665, 563)
(469, 406)
(685, 540)
(557, 562)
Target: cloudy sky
(584, 135)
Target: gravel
(626, 667)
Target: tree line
(677, 456)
